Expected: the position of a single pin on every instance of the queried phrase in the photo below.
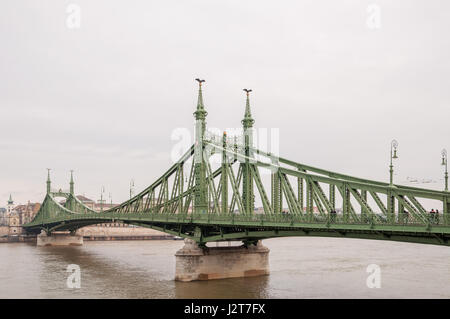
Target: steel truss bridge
(218, 204)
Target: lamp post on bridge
(394, 145)
(101, 198)
(444, 163)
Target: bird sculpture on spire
(199, 81)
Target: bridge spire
(248, 121)
(248, 196)
(71, 182)
(48, 181)
(200, 113)
(201, 189)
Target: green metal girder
(246, 222)
(265, 200)
(360, 182)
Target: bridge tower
(248, 196)
(49, 183)
(196, 262)
(47, 237)
(70, 202)
(201, 191)
(71, 183)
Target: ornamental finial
(200, 113)
(248, 120)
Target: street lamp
(444, 163)
(394, 145)
(101, 198)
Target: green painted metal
(363, 207)
(332, 188)
(265, 226)
(446, 209)
(224, 176)
(309, 200)
(300, 193)
(247, 182)
(201, 190)
(276, 190)
(208, 205)
(445, 164)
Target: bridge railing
(436, 219)
(273, 221)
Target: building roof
(29, 207)
(84, 199)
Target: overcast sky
(104, 99)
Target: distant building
(86, 201)
(27, 212)
(3, 218)
(90, 203)
(10, 205)
(13, 217)
(98, 207)
(14, 223)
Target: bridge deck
(235, 227)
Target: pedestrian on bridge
(432, 213)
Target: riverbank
(17, 239)
(32, 239)
(151, 237)
(99, 233)
(121, 233)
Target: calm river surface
(300, 268)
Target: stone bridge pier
(59, 239)
(205, 263)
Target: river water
(300, 268)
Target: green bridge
(209, 202)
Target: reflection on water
(253, 287)
(300, 268)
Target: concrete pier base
(59, 239)
(195, 263)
